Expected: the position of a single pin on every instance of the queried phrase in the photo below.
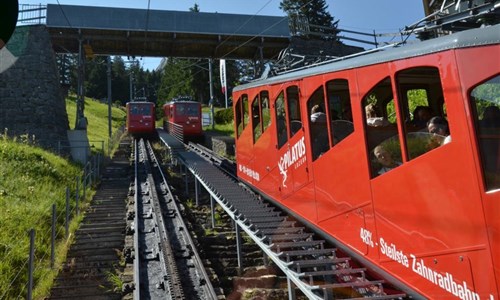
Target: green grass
(220, 129)
(97, 117)
(31, 180)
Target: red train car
(417, 201)
(182, 118)
(141, 118)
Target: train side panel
(429, 219)
(485, 74)
(257, 156)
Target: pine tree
(315, 12)
(176, 80)
(96, 84)
(120, 81)
(195, 8)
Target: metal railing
(175, 130)
(60, 218)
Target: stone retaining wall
(223, 145)
(31, 101)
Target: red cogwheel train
(141, 118)
(393, 155)
(182, 118)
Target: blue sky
(383, 16)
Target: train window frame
(281, 120)
(480, 98)
(239, 114)
(256, 119)
(293, 106)
(417, 138)
(318, 123)
(382, 137)
(261, 118)
(265, 110)
(246, 114)
(339, 107)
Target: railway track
(166, 262)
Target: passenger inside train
(372, 118)
(439, 125)
(421, 115)
(384, 158)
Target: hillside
(31, 181)
(97, 116)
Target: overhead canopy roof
(123, 31)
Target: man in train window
(319, 131)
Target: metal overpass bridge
(140, 32)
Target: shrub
(224, 116)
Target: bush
(224, 116)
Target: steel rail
(150, 271)
(203, 281)
(137, 277)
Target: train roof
(482, 36)
(181, 101)
(139, 102)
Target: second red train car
(182, 118)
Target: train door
(481, 88)
(291, 146)
(428, 216)
(263, 162)
(342, 192)
(244, 139)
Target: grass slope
(97, 116)
(31, 180)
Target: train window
(339, 107)
(244, 109)
(281, 120)
(318, 123)
(421, 94)
(141, 110)
(485, 103)
(382, 136)
(261, 118)
(292, 95)
(192, 109)
(179, 109)
(256, 124)
(241, 114)
(265, 111)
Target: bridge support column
(80, 122)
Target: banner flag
(223, 75)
